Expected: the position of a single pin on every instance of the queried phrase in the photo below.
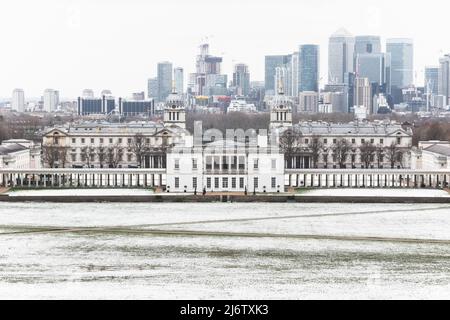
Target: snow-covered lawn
(418, 193)
(81, 192)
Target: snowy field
(222, 250)
(81, 192)
(415, 193)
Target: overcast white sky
(70, 45)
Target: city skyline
(122, 60)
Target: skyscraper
(377, 68)
(362, 94)
(402, 62)
(208, 69)
(18, 100)
(309, 60)
(367, 44)
(241, 79)
(444, 77)
(178, 74)
(164, 80)
(271, 63)
(51, 100)
(152, 88)
(341, 50)
(432, 80)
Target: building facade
(51, 100)
(164, 80)
(18, 100)
(431, 155)
(309, 60)
(341, 50)
(241, 79)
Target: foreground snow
(418, 193)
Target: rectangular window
(363, 140)
(92, 140)
(208, 163)
(274, 183)
(241, 163)
(194, 164)
(233, 163)
(177, 183)
(225, 164)
(216, 183)
(216, 163)
(82, 140)
(208, 183)
(399, 140)
(353, 141)
(372, 140)
(194, 183)
(177, 164)
(120, 140)
(110, 140)
(325, 141)
(255, 183)
(306, 141)
(74, 140)
(225, 183)
(334, 141)
(129, 140)
(101, 140)
(241, 183)
(381, 141)
(256, 164)
(74, 158)
(233, 183)
(274, 164)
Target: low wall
(223, 198)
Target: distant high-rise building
(308, 102)
(241, 79)
(309, 67)
(164, 80)
(432, 80)
(138, 96)
(178, 74)
(152, 88)
(18, 100)
(271, 63)
(51, 100)
(444, 77)
(206, 65)
(402, 62)
(295, 74)
(377, 68)
(88, 93)
(341, 50)
(89, 104)
(362, 93)
(367, 44)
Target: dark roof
(439, 149)
(11, 148)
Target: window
(381, 141)
(372, 140)
(194, 183)
(208, 183)
(334, 141)
(274, 164)
(147, 141)
(208, 163)
(241, 183)
(256, 164)
(306, 141)
(363, 140)
(82, 140)
(110, 140)
(353, 141)
(177, 164)
(255, 182)
(92, 140)
(233, 183)
(216, 183)
(274, 183)
(177, 182)
(225, 164)
(399, 140)
(241, 163)
(233, 163)
(129, 140)
(194, 164)
(129, 157)
(74, 157)
(225, 183)
(120, 140)
(216, 163)
(325, 141)
(74, 140)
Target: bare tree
(50, 155)
(394, 154)
(88, 155)
(114, 155)
(139, 147)
(101, 155)
(341, 150)
(315, 146)
(367, 152)
(62, 156)
(379, 153)
(290, 144)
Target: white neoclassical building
(226, 166)
(19, 154)
(431, 155)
